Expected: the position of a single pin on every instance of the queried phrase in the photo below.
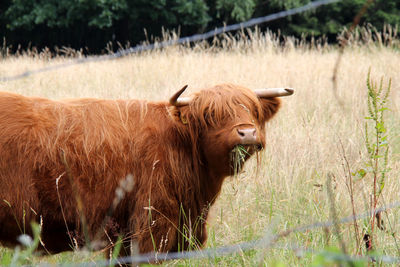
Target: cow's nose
(247, 136)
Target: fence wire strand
(266, 242)
(183, 40)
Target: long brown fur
(178, 157)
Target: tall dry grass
(309, 140)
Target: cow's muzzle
(247, 136)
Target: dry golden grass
(303, 141)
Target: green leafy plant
(332, 256)
(116, 250)
(23, 256)
(376, 142)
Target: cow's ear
(270, 106)
(179, 114)
(174, 113)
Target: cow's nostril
(241, 133)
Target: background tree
(94, 23)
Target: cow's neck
(211, 187)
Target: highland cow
(90, 169)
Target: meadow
(318, 136)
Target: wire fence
(267, 241)
(183, 40)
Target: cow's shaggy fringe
(163, 147)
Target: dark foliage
(92, 24)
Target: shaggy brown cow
(64, 164)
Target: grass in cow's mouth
(238, 157)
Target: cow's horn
(273, 92)
(177, 101)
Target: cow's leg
(160, 235)
(156, 230)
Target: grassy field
(312, 138)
